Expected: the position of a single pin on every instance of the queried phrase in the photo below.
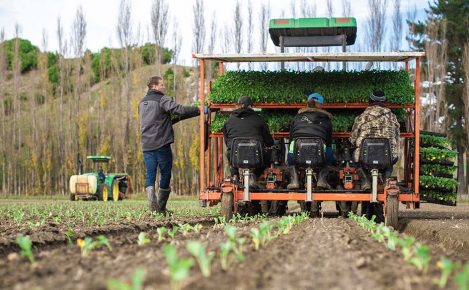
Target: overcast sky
(34, 16)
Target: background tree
(250, 30)
(238, 32)
(264, 16)
(456, 15)
(376, 24)
(159, 25)
(198, 29)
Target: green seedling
(196, 249)
(197, 228)
(462, 278)
(446, 267)
(184, 229)
(161, 233)
(256, 238)
(179, 268)
(230, 232)
(70, 234)
(421, 257)
(173, 232)
(88, 244)
(225, 249)
(407, 247)
(138, 278)
(25, 245)
(143, 239)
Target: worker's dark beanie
(245, 100)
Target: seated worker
(244, 122)
(312, 121)
(375, 122)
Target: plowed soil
(323, 253)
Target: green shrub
(186, 73)
(28, 54)
(167, 55)
(289, 87)
(438, 195)
(101, 64)
(148, 53)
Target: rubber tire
(315, 208)
(73, 197)
(254, 207)
(226, 209)
(115, 186)
(305, 206)
(391, 219)
(278, 208)
(370, 209)
(103, 187)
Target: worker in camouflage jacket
(376, 121)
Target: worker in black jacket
(157, 114)
(244, 122)
(312, 121)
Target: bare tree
(376, 24)
(346, 8)
(124, 33)
(411, 17)
(4, 138)
(264, 16)
(249, 28)
(227, 39)
(238, 29)
(177, 42)
(211, 42)
(159, 21)
(307, 9)
(199, 26)
(396, 26)
(330, 8)
(198, 40)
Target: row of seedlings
(437, 170)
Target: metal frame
(411, 177)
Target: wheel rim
(105, 194)
(115, 191)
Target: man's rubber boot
(294, 179)
(163, 195)
(365, 179)
(152, 200)
(253, 181)
(322, 182)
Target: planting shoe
(365, 180)
(152, 200)
(322, 182)
(294, 182)
(163, 195)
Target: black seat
(376, 153)
(247, 153)
(309, 152)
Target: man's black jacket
(246, 123)
(312, 122)
(157, 114)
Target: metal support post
(374, 185)
(309, 184)
(246, 185)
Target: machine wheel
(227, 205)
(371, 209)
(73, 197)
(392, 211)
(347, 206)
(305, 206)
(103, 193)
(254, 207)
(315, 207)
(115, 190)
(278, 208)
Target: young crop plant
(237, 243)
(437, 154)
(173, 232)
(138, 278)
(161, 233)
(446, 267)
(204, 259)
(88, 244)
(179, 268)
(434, 141)
(184, 229)
(438, 183)
(25, 245)
(143, 239)
(462, 278)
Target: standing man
(157, 114)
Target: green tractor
(100, 185)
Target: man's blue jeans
(162, 158)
